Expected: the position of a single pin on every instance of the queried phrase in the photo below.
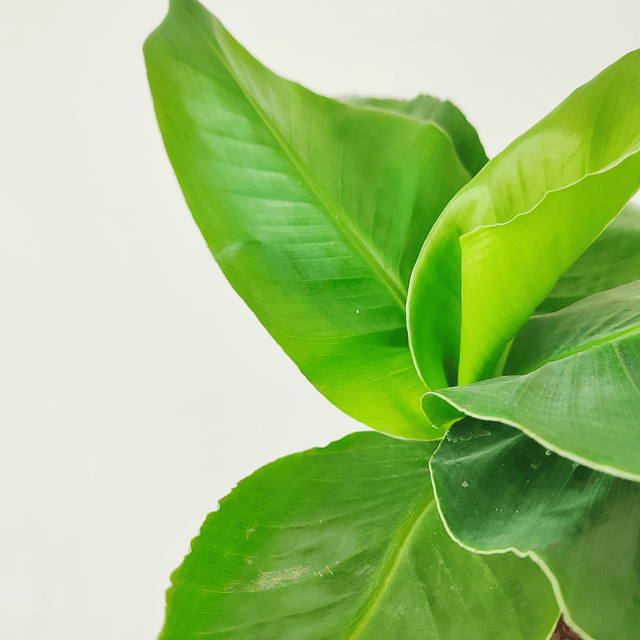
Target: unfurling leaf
(506, 238)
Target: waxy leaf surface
(506, 238)
(346, 543)
(612, 260)
(314, 209)
(575, 385)
(497, 489)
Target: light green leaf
(343, 543)
(446, 115)
(499, 490)
(507, 237)
(580, 389)
(315, 210)
(612, 260)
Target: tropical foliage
(484, 315)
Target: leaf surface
(446, 115)
(612, 260)
(506, 238)
(497, 489)
(315, 210)
(345, 542)
(575, 385)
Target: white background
(135, 387)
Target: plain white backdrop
(135, 388)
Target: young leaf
(499, 490)
(507, 237)
(578, 391)
(315, 210)
(446, 115)
(612, 260)
(343, 543)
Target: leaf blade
(345, 543)
(508, 236)
(611, 261)
(314, 210)
(579, 524)
(446, 115)
(573, 383)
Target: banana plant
(481, 316)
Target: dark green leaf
(343, 543)
(506, 238)
(315, 210)
(499, 490)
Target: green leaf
(315, 210)
(446, 115)
(507, 237)
(345, 542)
(498, 490)
(612, 260)
(580, 389)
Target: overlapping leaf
(343, 543)
(507, 237)
(612, 260)
(315, 210)
(446, 115)
(578, 391)
(497, 489)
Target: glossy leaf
(579, 388)
(612, 260)
(497, 489)
(315, 210)
(507, 237)
(446, 115)
(343, 543)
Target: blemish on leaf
(269, 580)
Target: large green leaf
(315, 210)
(507, 237)
(343, 543)
(578, 391)
(446, 115)
(499, 490)
(612, 260)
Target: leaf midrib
(338, 215)
(412, 525)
